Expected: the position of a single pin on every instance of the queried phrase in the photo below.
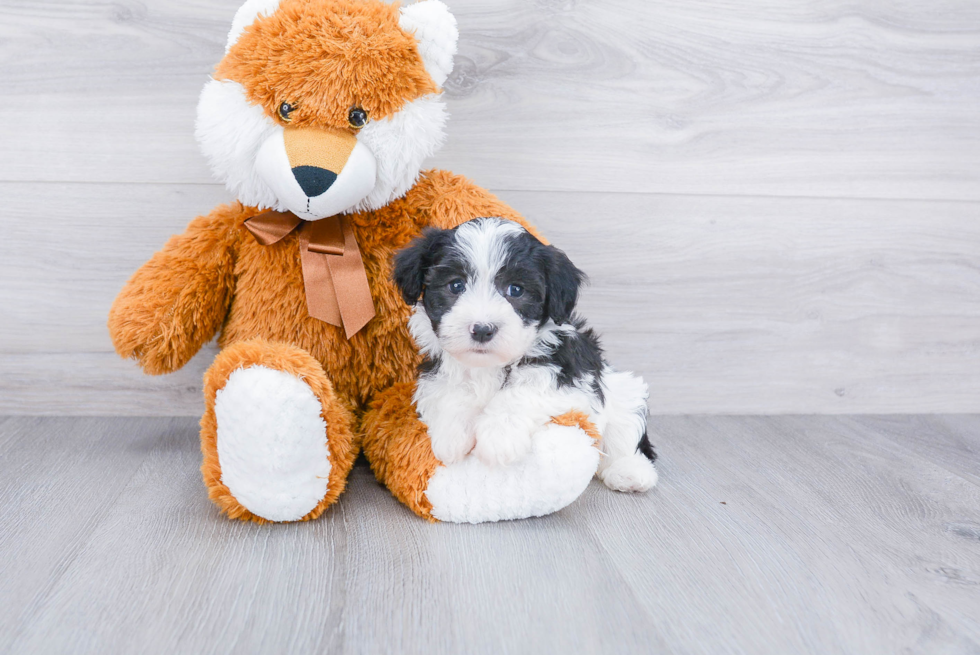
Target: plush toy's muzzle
(316, 172)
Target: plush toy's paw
(499, 441)
(451, 441)
(558, 468)
(632, 473)
(268, 434)
(272, 443)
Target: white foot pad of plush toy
(557, 470)
(272, 443)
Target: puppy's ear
(564, 280)
(412, 262)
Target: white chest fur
(450, 401)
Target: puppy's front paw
(501, 442)
(450, 443)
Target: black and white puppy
(504, 352)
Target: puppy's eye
(357, 118)
(457, 286)
(285, 109)
(515, 291)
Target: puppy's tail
(645, 448)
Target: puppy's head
(483, 290)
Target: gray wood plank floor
(796, 534)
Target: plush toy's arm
(452, 199)
(178, 300)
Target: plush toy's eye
(285, 109)
(357, 117)
(515, 291)
(457, 286)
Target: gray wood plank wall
(778, 202)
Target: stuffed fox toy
(318, 120)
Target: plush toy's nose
(317, 156)
(313, 179)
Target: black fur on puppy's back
(577, 356)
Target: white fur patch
(420, 327)
(246, 15)
(449, 404)
(400, 144)
(272, 443)
(435, 30)
(230, 132)
(557, 470)
(483, 242)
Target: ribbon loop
(336, 284)
(272, 227)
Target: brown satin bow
(337, 290)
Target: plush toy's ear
(246, 15)
(435, 29)
(564, 280)
(413, 261)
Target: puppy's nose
(314, 180)
(482, 333)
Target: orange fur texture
(576, 419)
(360, 57)
(177, 301)
(341, 442)
(396, 443)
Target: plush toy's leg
(276, 440)
(562, 460)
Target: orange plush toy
(318, 119)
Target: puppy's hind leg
(629, 456)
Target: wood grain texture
(822, 98)
(949, 441)
(729, 275)
(812, 531)
(99, 384)
(724, 304)
(68, 266)
(766, 535)
(58, 480)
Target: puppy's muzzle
(317, 156)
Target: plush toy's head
(322, 107)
